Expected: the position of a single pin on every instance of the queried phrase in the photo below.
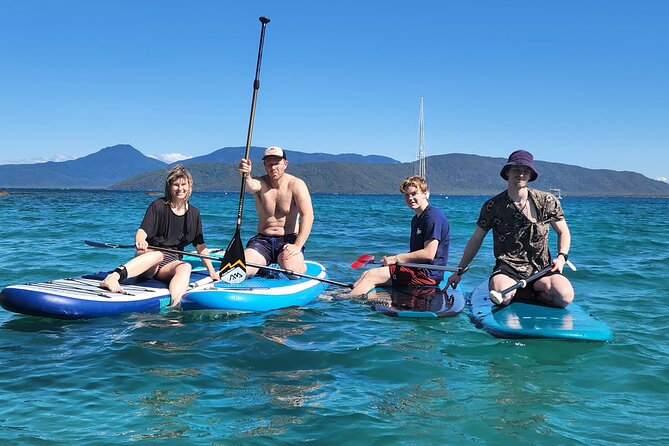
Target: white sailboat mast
(421, 171)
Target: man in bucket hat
(520, 218)
(285, 214)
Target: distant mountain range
(123, 167)
(110, 165)
(234, 154)
(97, 170)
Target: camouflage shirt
(518, 242)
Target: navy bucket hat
(519, 158)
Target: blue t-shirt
(431, 225)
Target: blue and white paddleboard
(82, 298)
(258, 293)
(530, 320)
(417, 302)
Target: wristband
(566, 257)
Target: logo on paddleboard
(235, 275)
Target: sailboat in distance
(420, 168)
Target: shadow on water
(34, 324)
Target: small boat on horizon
(557, 193)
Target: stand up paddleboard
(82, 298)
(417, 302)
(524, 318)
(271, 291)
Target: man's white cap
(274, 151)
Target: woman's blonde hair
(415, 181)
(178, 171)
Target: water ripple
(333, 371)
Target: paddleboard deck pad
(82, 298)
(417, 302)
(270, 290)
(524, 318)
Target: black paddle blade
(233, 265)
(106, 245)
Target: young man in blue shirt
(429, 242)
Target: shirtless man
(280, 198)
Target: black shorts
(526, 293)
(270, 246)
(503, 268)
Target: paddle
(497, 297)
(233, 265)
(367, 259)
(202, 256)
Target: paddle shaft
(428, 266)
(233, 265)
(204, 256)
(523, 283)
(416, 265)
(256, 87)
(306, 276)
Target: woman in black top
(170, 222)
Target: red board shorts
(405, 276)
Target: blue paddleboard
(531, 320)
(82, 298)
(417, 302)
(261, 293)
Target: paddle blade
(362, 261)
(106, 245)
(233, 264)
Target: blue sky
(581, 82)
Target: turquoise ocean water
(332, 372)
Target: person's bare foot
(111, 283)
